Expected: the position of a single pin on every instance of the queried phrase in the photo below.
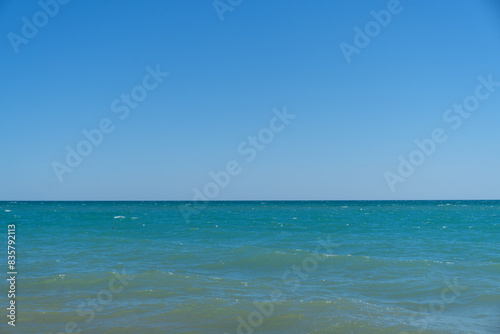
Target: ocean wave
(80, 281)
(264, 258)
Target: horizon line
(255, 200)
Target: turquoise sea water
(255, 267)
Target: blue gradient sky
(226, 77)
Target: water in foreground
(255, 267)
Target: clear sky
(330, 109)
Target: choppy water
(255, 267)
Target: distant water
(255, 267)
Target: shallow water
(256, 267)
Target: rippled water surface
(256, 267)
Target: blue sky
(352, 120)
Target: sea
(248, 267)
